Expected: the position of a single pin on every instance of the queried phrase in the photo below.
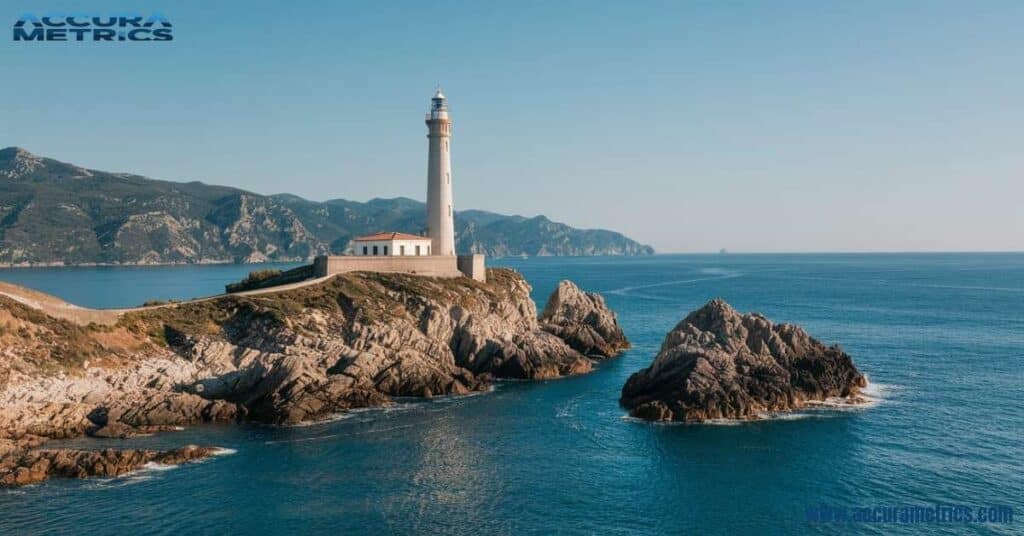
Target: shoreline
(143, 264)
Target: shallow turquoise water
(941, 337)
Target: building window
(428, 250)
(417, 251)
(374, 250)
(385, 251)
(401, 250)
(364, 250)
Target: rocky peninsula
(275, 356)
(720, 364)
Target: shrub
(253, 280)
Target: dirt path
(58, 308)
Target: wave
(332, 436)
(715, 273)
(153, 466)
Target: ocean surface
(940, 336)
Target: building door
(401, 250)
(417, 251)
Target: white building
(391, 245)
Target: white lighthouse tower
(440, 213)
(427, 256)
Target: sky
(691, 126)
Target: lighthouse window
(450, 210)
(448, 178)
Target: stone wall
(473, 266)
(436, 266)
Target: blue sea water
(941, 337)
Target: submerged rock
(584, 321)
(718, 363)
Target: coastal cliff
(283, 357)
(720, 364)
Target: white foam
(723, 422)
(715, 273)
(630, 418)
(785, 416)
(153, 466)
(879, 390)
(871, 396)
(335, 417)
(222, 451)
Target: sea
(940, 337)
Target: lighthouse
(440, 213)
(400, 252)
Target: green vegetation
(154, 303)
(253, 280)
(61, 344)
(368, 297)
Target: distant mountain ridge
(52, 212)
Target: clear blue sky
(692, 126)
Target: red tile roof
(389, 236)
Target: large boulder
(584, 321)
(718, 363)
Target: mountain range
(53, 212)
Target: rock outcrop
(356, 340)
(718, 364)
(21, 467)
(583, 321)
(359, 340)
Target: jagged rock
(382, 336)
(31, 466)
(356, 340)
(717, 363)
(114, 430)
(584, 321)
